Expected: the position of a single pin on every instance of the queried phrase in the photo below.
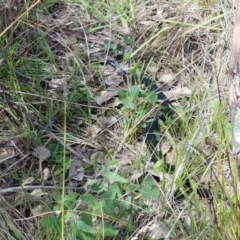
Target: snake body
(151, 138)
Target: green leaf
(112, 193)
(56, 150)
(129, 102)
(136, 69)
(126, 57)
(128, 40)
(58, 172)
(51, 223)
(143, 93)
(95, 160)
(114, 46)
(87, 218)
(86, 236)
(125, 207)
(110, 210)
(109, 153)
(113, 163)
(82, 226)
(131, 187)
(70, 199)
(140, 115)
(134, 91)
(107, 230)
(159, 166)
(93, 203)
(89, 198)
(149, 189)
(116, 190)
(122, 93)
(107, 45)
(113, 177)
(153, 97)
(99, 187)
(68, 162)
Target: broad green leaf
(126, 56)
(93, 203)
(113, 177)
(153, 97)
(87, 218)
(52, 223)
(70, 199)
(68, 162)
(56, 150)
(110, 210)
(129, 102)
(58, 172)
(107, 230)
(134, 91)
(125, 207)
(159, 166)
(122, 93)
(82, 226)
(89, 198)
(112, 193)
(113, 163)
(86, 236)
(149, 189)
(99, 187)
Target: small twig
(33, 187)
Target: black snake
(151, 138)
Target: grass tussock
(72, 155)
